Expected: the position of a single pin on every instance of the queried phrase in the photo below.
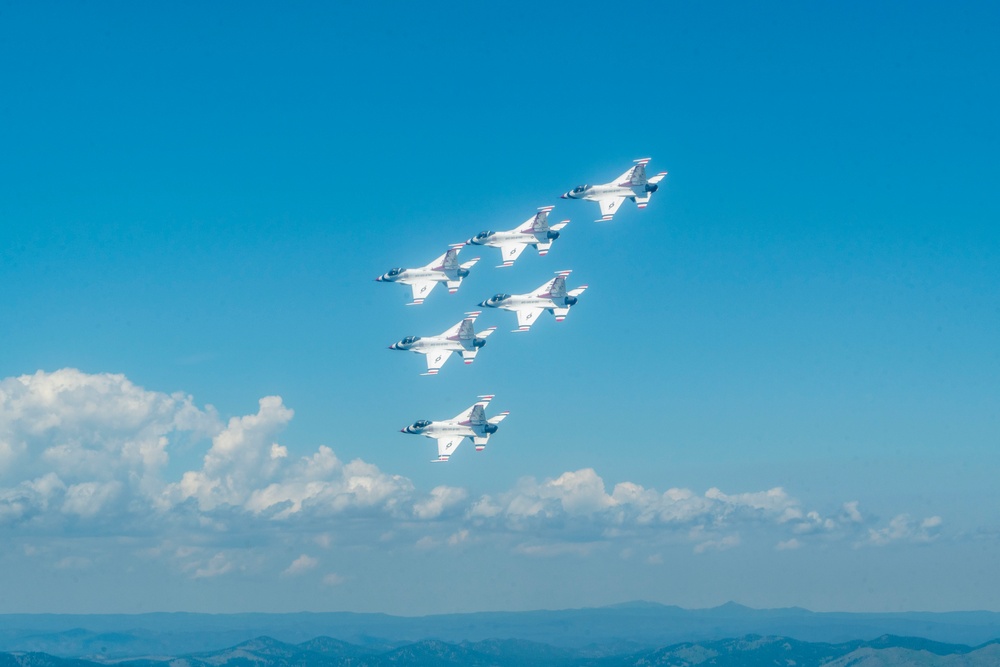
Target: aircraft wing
(526, 317)
(609, 207)
(510, 252)
(447, 447)
(435, 360)
(421, 289)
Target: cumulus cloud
(579, 501)
(95, 452)
(440, 499)
(904, 528)
(333, 579)
(300, 565)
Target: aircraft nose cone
(564, 196)
(402, 430)
(379, 279)
(392, 347)
(483, 304)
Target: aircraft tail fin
(470, 339)
(540, 223)
(480, 441)
(457, 273)
(643, 201)
(544, 246)
(447, 261)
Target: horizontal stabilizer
(559, 225)
(499, 418)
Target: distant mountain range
(569, 637)
(749, 651)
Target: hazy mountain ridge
(749, 651)
(595, 633)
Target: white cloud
(216, 566)
(333, 579)
(440, 499)
(302, 564)
(789, 544)
(721, 544)
(904, 528)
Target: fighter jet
(535, 232)
(437, 349)
(444, 269)
(633, 185)
(449, 433)
(552, 296)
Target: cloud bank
(90, 455)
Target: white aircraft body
(535, 232)
(552, 296)
(633, 185)
(449, 433)
(437, 349)
(444, 269)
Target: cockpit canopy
(410, 340)
(395, 272)
(421, 423)
(484, 235)
(580, 188)
(501, 297)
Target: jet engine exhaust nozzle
(491, 428)
(463, 273)
(571, 300)
(552, 235)
(478, 342)
(652, 187)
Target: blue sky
(781, 387)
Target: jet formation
(551, 296)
